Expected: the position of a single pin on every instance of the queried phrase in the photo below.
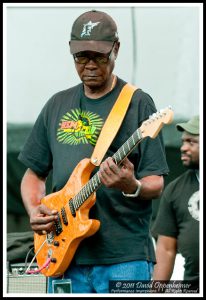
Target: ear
(116, 49)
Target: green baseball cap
(93, 31)
(192, 126)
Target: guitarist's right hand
(42, 219)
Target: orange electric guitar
(55, 250)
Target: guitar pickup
(58, 225)
(64, 216)
(72, 209)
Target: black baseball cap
(93, 31)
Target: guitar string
(130, 143)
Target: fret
(92, 185)
(121, 154)
(83, 198)
(139, 136)
(75, 202)
(79, 200)
(81, 195)
(136, 138)
(86, 191)
(128, 145)
(93, 182)
(120, 158)
(88, 188)
(96, 179)
(133, 140)
(124, 151)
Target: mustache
(185, 154)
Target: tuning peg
(163, 110)
(155, 116)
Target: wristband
(139, 187)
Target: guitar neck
(127, 147)
(94, 183)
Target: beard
(190, 161)
(194, 165)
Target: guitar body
(61, 247)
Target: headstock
(153, 125)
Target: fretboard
(94, 183)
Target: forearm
(164, 268)
(151, 187)
(165, 257)
(32, 190)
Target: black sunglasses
(80, 58)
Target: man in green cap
(177, 222)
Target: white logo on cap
(88, 28)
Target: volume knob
(56, 243)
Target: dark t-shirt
(65, 133)
(178, 217)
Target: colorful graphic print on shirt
(79, 127)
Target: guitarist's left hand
(120, 177)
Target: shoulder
(139, 94)
(65, 93)
(60, 98)
(144, 99)
(181, 179)
(144, 104)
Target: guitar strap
(112, 123)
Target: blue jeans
(95, 279)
